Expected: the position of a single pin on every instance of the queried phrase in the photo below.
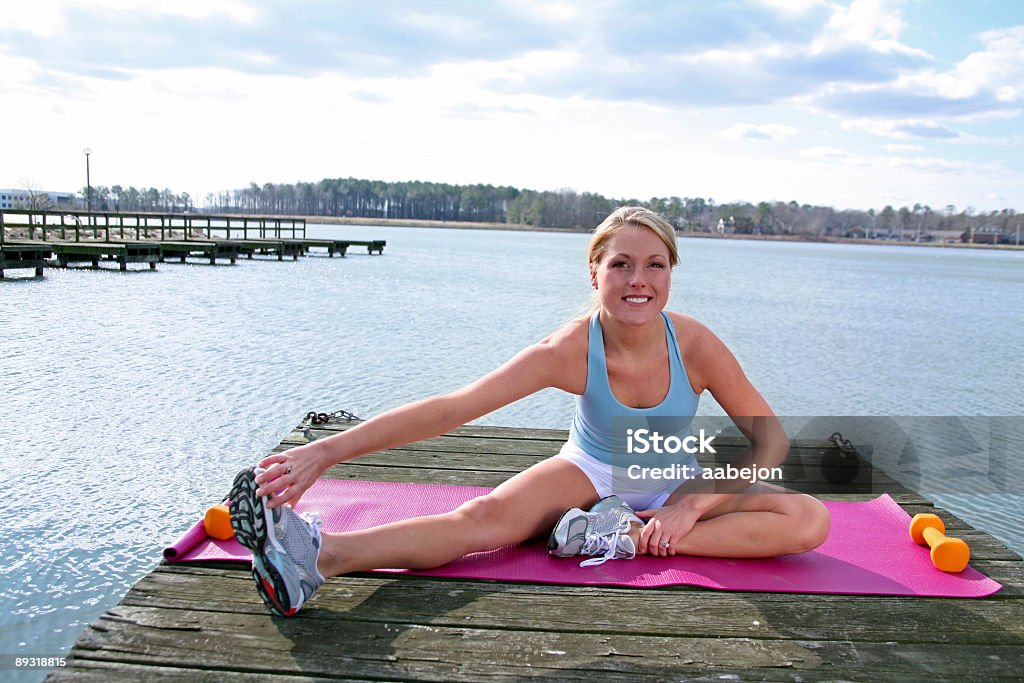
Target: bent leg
(762, 521)
(525, 506)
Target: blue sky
(854, 104)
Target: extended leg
(525, 506)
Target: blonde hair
(631, 217)
(624, 217)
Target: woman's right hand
(289, 474)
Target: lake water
(131, 399)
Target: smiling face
(634, 275)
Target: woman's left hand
(287, 475)
(666, 526)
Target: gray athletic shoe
(613, 503)
(601, 532)
(284, 546)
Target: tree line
(127, 199)
(568, 209)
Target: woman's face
(634, 275)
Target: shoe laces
(603, 546)
(313, 520)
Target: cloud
(904, 148)
(476, 110)
(712, 54)
(904, 129)
(983, 83)
(867, 22)
(764, 131)
(999, 66)
(42, 18)
(825, 153)
(879, 163)
(925, 129)
(313, 37)
(675, 53)
(371, 97)
(895, 101)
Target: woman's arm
(536, 367)
(711, 366)
(717, 370)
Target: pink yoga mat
(868, 552)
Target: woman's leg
(762, 521)
(525, 506)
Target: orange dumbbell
(218, 522)
(948, 554)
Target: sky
(844, 103)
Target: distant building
(944, 236)
(987, 234)
(22, 199)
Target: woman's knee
(813, 523)
(489, 522)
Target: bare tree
(37, 199)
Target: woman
(629, 358)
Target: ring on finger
(288, 471)
(665, 544)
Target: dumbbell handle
(948, 554)
(933, 536)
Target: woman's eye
(618, 264)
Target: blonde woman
(629, 358)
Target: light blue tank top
(597, 410)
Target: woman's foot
(284, 546)
(603, 532)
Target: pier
(70, 237)
(92, 252)
(140, 225)
(24, 256)
(205, 621)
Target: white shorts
(648, 494)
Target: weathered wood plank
(103, 671)
(322, 647)
(463, 444)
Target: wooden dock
(341, 246)
(371, 245)
(94, 252)
(24, 255)
(137, 224)
(81, 237)
(183, 250)
(273, 247)
(205, 622)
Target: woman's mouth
(637, 299)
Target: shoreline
(521, 227)
(423, 223)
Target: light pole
(88, 185)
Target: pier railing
(94, 225)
